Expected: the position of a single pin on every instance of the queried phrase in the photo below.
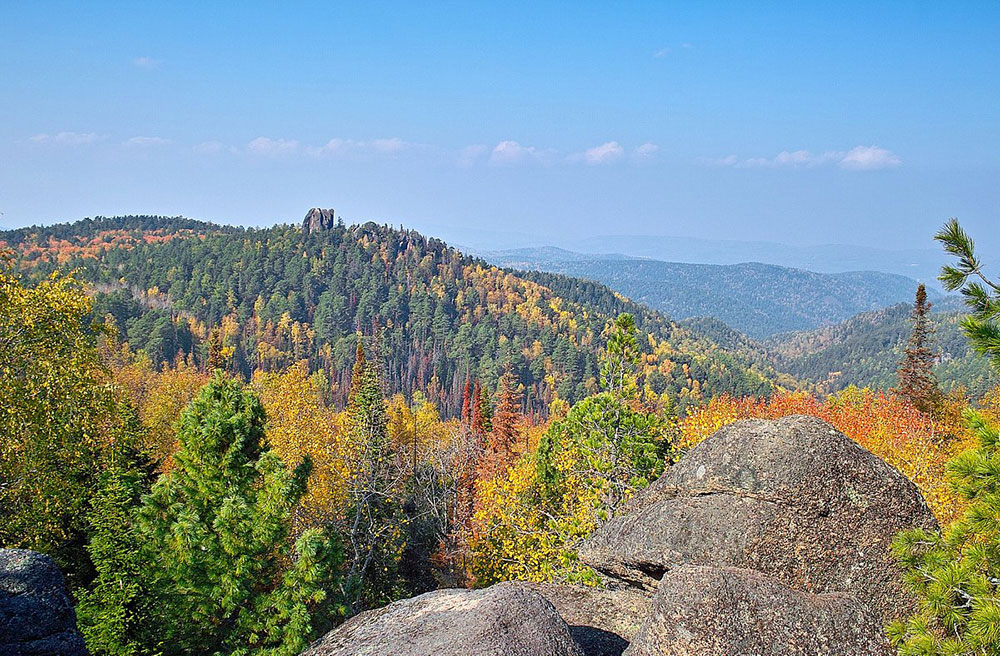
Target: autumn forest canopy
(232, 440)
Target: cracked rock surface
(706, 611)
(794, 499)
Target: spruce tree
(110, 610)
(916, 371)
(374, 524)
(214, 533)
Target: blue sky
(797, 122)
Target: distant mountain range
(756, 299)
(922, 264)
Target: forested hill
(866, 349)
(279, 295)
(758, 299)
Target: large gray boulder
(708, 611)
(602, 621)
(504, 620)
(793, 498)
(36, 615)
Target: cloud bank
(67, 138)
(859, 158)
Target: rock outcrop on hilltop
(504, 620)
(708, 611)
(770, 538)
(794, 499)
(319, 219)
(36, 615)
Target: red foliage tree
(508, 424)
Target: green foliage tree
(620, 358)
(214, 535)
(954, 573)
(374, 525)
(982, 295)
(604, 450)
(530, 521)
(110, 610)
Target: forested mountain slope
(271, 297)
(756, 299)
(866, 349)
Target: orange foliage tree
(918, 445)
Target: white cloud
(344, 147)
(603, 154)
(67, 138)
(729, 160)
(268, 146)
(868, 158)
(666, 50)
(472, 154)
(646, 151)
(511, 152)
(858, 158)
(145, 142)
(145, 62)
(388, 146)
(209, 147)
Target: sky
(803, 123)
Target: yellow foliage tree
(159, 397)
(300, 425)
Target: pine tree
(982, 295)
(214, 534)
(954, 574)
(916, 371)
(621, 357)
